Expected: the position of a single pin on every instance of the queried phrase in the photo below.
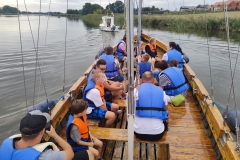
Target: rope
(40, 82)
(35, 77)
(24, 79)
(209, 57)
(64, 70)
(170, 25)
(36, 50)
(232, 74)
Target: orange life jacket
(101, 89)
(82, 126)
(152, 48)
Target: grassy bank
(215, 21)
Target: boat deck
(185, 138)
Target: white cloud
(61, 5)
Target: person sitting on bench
(78, 134)
(151, 110)
(97, 106)
(144, 65)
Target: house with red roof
(230, 5)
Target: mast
(130, 65)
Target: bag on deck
(178, 100)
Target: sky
(61, 5)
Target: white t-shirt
(165, 57)
(141, 125)
(95, 97)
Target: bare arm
(82, 143)
(111, 87)
(103, 106)
(120, 72)
(67, 149)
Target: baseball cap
(34, 122)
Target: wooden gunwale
(195, 149)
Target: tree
(89, 8)
(9, 9)
(117, 7)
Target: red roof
(221, 3)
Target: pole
(130, 64)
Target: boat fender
(43, 106)
(41, 146)
(185, 57)
(231, 115)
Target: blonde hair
(145, 57)
(96, 74)
(152, 40)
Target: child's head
(109, 50)
(145, 57)
(173, 63)
(98, 77)
(79, 107)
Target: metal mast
(130, 65)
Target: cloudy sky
(61, 5)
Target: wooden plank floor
(185, 137)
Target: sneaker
(117, 120)
(119, 111)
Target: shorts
(109, 105)
(121, 58)
(97, 113)
(83, 155)
(119, 78)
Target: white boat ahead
(108, 25)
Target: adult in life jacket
(98, 108)
(77, 132)
(27, 146)
(172, 80)
(113, 71)
(174, 52)
(121, 51)
(151, 108)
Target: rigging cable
(36, 50)
(40, 82)
(24, 79)
(35, 77)
(209, 56)
(232, 75)
(64, 70)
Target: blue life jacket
(150, 102)
(74, 145)
(143, 67)
(111, 70)
(174, 54)
(7, 152)
(89, 86)
(90, 76)
(178, 82)
(119, 52)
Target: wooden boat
(196, 128)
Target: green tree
(117, 7)
(9, 9)
(86, 8)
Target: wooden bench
(119, 135)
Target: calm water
(82, 44)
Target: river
(82, 44)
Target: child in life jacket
(78, 135)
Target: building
(231, 5)
(188, 8)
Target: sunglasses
(102, 69)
